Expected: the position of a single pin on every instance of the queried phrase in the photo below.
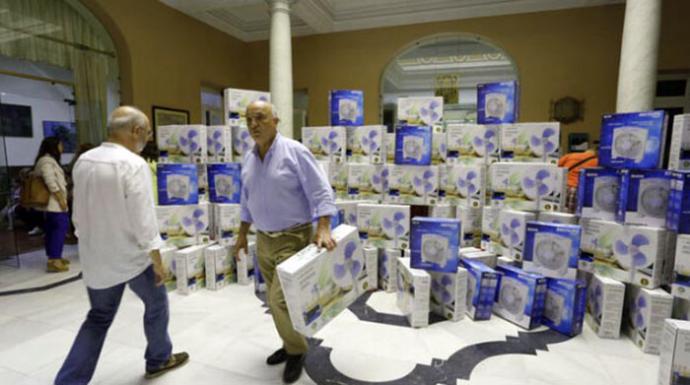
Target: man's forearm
(324, 222)
(244, 229)
(156, 257)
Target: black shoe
(175, 361)
(278, 357)
(293, 368)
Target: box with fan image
(365, 144)
(225, 222)
(177, 184)
(564, 308)
(482, 284)
(552, 249)
(413, 145)
(678, 213)
(507, 261)
(512, 226)
(470, 224)
(167, 260)
(367, 181)
(531, 142)
(644, 197)
(384, 226)
(598, 192)
(416, 185)
(449, 294)
(674, 349)
(337, 176)
(434, 244)
(472, 143)
(679, 154)
(491, 230)
(225, 182)
(497, 102)
(486, 257)
(681, 278)
(347, 210)
(605, 299)
(413, 293)
(597, 241)
(439, 147)
(185, 225)
(326, 143)
(346, 107)
(371, 267)
(319, 284)
(242, 141)
(632, 140)
(202, 182)
(442, 210)
(640, 255)
(556, 217)
(527, 186)
(389, 147)
(181, 143)
(388, 269)
(219, 267)
(189, 269)
(521, 297)
(646, 311)
(237, 100)
(420, 110)
(242, 263)
(465, 184)
(219, 144)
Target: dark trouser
(31, 217)
(80, 363)
(55, 228)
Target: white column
(637, 71)
(281, 63)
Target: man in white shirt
(115, 220)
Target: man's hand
(159, 272)
(323, 238)
(240, 243)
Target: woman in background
(56, 214)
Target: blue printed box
(413, 145)
(564, 309)
(552, 249)
(225, 182)
(346, 107)
(521, 296)
(632, 140)
(177, 184)
(482, 283)
(644, 197)
(598, 193)
(497, 103)
(434, 244)
(678, 213)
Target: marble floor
(229, 334)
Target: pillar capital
(280, 5)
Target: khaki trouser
(272, 249)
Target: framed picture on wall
(163, 116)
(66, 131)
(16, 120)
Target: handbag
(34, 192)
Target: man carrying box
(283, 190)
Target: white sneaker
(36, 231)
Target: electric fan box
(242, 264)
(531, 142)
(527, 186)
(219, 144)
(225, 222)
(472, 144)
(646, 309)
(189, 269)
(520, 298)
(605, 299)
(552, 249)
(347, 209)
(326, 142)
(512, 226)
(181, 143)
(442, 210)
(644, 197)
(486, 257)
(679, 154)
(367, 181)
(371, 267)
(470, 224)
(413, 145)
(465, 184)
(337, 176)
(598, 193)
(224, 182)
(185, 225)
(420, 110)
(564, 308)
(389, 147)
(219, 267)
(242, 141)
(388, 269)
(237, 100)
(416, 185)
(497, 102)
(491, 232)
(597, 241)
(674, 357)
(346, 107)
(413, 293)
(434, 244)
(482, 284)
(507, 261)
(632, 140)
(449, 294)
(681, 279)
(556, 217)
(177, 184)
(202, 182)
(167, 257)
(318, 284)
(678, 214)
(365, 144)
(384, 226)
(439, 147)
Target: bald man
(283, 192)
(115, 220)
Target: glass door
(8, 242)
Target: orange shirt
(572, 159)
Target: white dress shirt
(114, 215)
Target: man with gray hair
(115, 220)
